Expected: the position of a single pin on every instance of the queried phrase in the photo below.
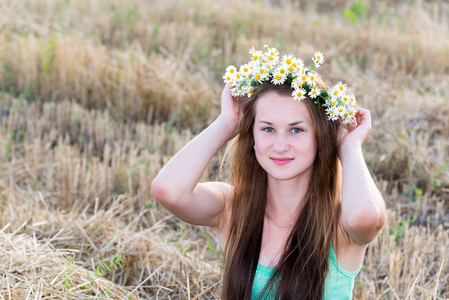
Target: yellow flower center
(304, 78)
(318, 57)
(231, 71)
(278, 77)
(282, 71)
(288, 61)
(335, 93)
(262, 71)
(313, 92)
(271, 58)
(312, 78)
(238, 75)
(341, 88)
(299, 94)
(291, 69)
(255, 57)
(257, 77)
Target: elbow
(161, 191)
(366, 224)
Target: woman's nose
(281, 143)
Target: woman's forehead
(273, 107)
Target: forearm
(182, 173)
(363, 207)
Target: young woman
(302, 207)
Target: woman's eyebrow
(266, 122)
(291, 124)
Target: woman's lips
(281, 160)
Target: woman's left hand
(358, 131)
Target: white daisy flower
(318, 58)
(245, 70)
(287, 59)
(352, 99)
(229, 78)
(257, 56)
(299, 94)
(314, 93)
(298, 64)
(274, 53)
(258, 78)
(331, 113)
(311, 79)
(301, 79)
(260, 74)
(340, 110)
(335, 92)
(238, 77)
(291, 68)
(341, 87)
(231, 69)
(282, 70)
(278, 78)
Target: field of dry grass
(95, 96)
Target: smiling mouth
(281, 161)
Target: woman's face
(284, 137)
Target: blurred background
(96, 96)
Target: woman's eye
(296, 130)
(268, 129)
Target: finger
(342, 132)
(353, 125)
(362, 115)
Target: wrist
(349, 149)
(228, 125)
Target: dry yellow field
(97, 95)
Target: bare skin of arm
(363, 207)
(177, 185)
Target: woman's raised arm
(363, 207)
(177, 185)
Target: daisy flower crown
(267, 66)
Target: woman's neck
(286, 197)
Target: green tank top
(338, 286)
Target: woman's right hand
(230, 112)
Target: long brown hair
(301, 271)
